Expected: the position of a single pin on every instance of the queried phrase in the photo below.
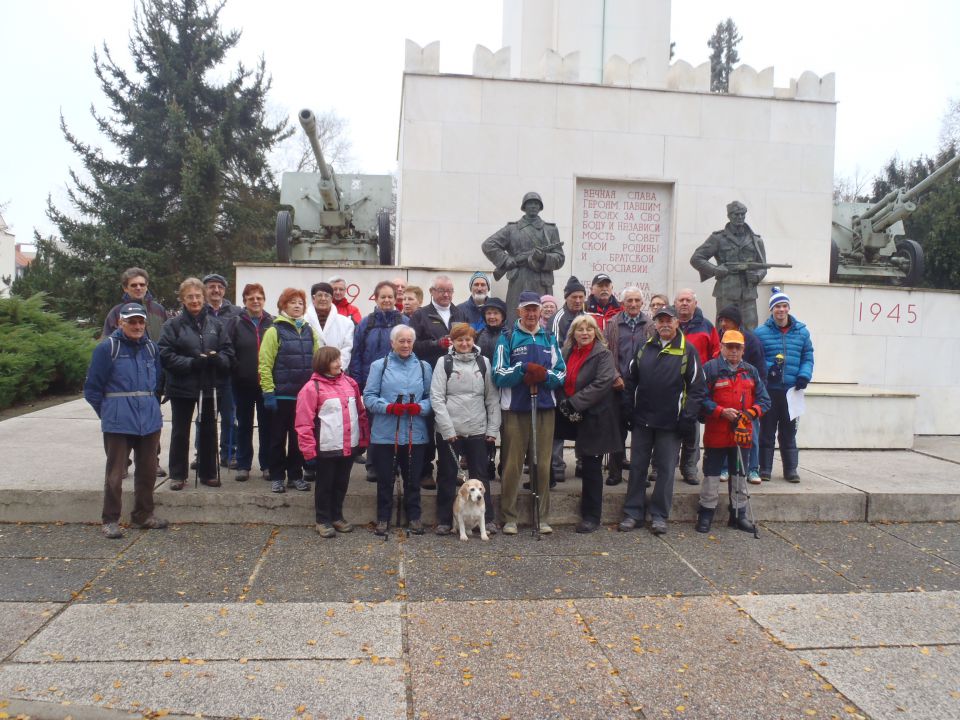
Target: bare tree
(950, 126)
(850, 189)
(296, 155)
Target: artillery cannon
(331, 219)
(868, 240)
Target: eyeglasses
(441, 291)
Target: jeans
(249, 399)
(662, 446)
(383, 461)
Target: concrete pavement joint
(819, 561)
(926, 551)
(259, 563)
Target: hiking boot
(177, 484)
(443, 530)
(704, 519)
(691, 480)
(738, 520)
(151, 523)
(371, 476)
(627, 524)
(277, 486)
(359, 457)
(791, 476)
(754, 478)
(266, 474)
(161, 472)
(658, 526)
(212, 482)
(510, 528)
(614, 481)
(325, 531)
(545, 529)
(112, 531)
(416, 527)
(587, 526)
(342, 526)
(381, 528)
(242, 475)
(491, 528)
(301, 484)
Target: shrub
(40, 352)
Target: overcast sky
(897, 66)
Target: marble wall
(469, 148)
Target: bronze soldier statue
(527, 252)
(741, 264)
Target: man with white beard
(472, 307)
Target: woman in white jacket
(466, 407)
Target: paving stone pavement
(821, 620)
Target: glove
(566, 407)
(687, 428)
(412, 408)
(269, 401)
(444, 342)
(397, 409)
(752, 412)
(802, 382)
(535, 374)
(743, 431)
(310, 464)
(721, 272)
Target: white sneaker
(724, 476)
(754, 478)
(510, 529)
(545, 529)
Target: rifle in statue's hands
(523, 258)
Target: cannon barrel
(328, 184)
(901, 196)
(932, 178)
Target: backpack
(423, 372)
(448, 366)
(115, 348)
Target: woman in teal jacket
(789, 354)
(397, 397)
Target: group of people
(415, 383)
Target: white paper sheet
(796, 403)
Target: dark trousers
(228, 432)
(330, 487)
(618, 459)
(690, 454)
(474, 449)
(776, 424)
(285, 457)
(181, 415)
(383, 461)
(591, 500)
(249, 399)
(430, 450)
(118, 447)
(662, 446)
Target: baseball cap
(732, 337)
(528, 298)
(132, 310)
(601, 278)
(666, 310)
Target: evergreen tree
(188, 189)
(723, 55)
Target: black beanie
(731, 312)
(572, 286)
(326, 287)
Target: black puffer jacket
(245, 336)
(185, 338)
(656, 393)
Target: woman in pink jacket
(331, 425)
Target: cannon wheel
(284, 226)
(834, 261)
(911, 250)
(384, 246)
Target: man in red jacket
(703, 336)
(340, 300)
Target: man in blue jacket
(789, 355)
(123, 386)
(526, 360)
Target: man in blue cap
(123, 387)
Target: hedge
(40, 352)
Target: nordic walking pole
(196, 467)
(216, 413)
(534, 469)
(742, 488)
(396, 444)
(409, 460)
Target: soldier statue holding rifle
(741, 264)
(527, 252)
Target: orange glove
(743, 431)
